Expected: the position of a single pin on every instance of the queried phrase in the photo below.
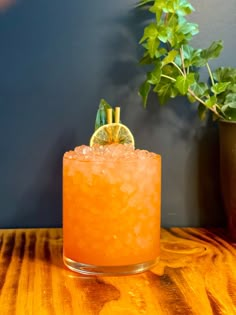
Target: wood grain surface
(196, 275)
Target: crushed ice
(114, 152)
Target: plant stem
(176, 66)
(170, 18)
(166, 18)
(166, 76)
(196, 97)
(210, 73)
(182, 59)
(213, 108)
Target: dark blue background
(57, 59)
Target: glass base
(94, 270)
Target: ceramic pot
(228, 173)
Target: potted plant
(175, 67)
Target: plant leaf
(144, 91)
(101, 116)
(158, 6)
(230, 114)
(191, 55)
(104, 104)
(224, 108)
(183, 83)
(230, 101)
(180, 7)
(152, 46)
(199, 89)
(146, 59)
(150, 31)
(170, 70)
(213, 51)
(170, 57)
(165, 90)
(231, 97)
(97, 120)
(143, 2)
(202, 110)
(232, 88)
(188, 28)
(210, 102)
(160, 52)
(164, 33)
(232, 105)
(218, 88)
(155, 75)
(223, 74)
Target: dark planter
(228, 173)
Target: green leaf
(230, 114)
(231, 97)
(213, 51)
(181, 7)
(97, 120)
(150, 31)
(230, 101)
(199, 89)
(146, 59)
(170, 70)
(165, 90)
(202, 110)
(144, 91)
(101, 116)
(211, 101)
(224, 108)
(232, 88)
(160, 52)
(191, 55)
(104, 104)
(218, 88)
(183, 83)
(188, 28)
(164, 33)
(181, 31)
(223, 74)
(232, 105)
(187, 51)
(199, 61)
(176, 38)
(155, 75)
(158, 6)
(143, 2)
(170, 57)
(152, 46)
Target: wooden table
(196, 275)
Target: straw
(109, 115)
(117, 115)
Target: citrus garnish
(112, 133)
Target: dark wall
(57, 59)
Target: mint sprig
(101, 116)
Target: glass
(111, 214)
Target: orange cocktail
(111, 209)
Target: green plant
(175, 64)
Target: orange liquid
(111, 211)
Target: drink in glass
(111, 209)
